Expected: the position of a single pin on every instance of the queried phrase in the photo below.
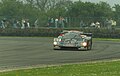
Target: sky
(111, 2)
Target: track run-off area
(32, 51)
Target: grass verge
(87, 69)
(106, 39)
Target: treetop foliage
(42, 9)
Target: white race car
(73, 39)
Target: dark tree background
(42, 9)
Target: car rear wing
(67, 31)
(82, 33)
(88, 34)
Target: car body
(73, 39)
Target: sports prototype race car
(73, 39)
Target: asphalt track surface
(30, 51)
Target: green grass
(85, 69)
(106, 39)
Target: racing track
(28, 51)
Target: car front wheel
(89, 47)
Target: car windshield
(71, 35)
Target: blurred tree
(42, 9)
(102, 9)
(116, 14)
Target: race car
(73, 39)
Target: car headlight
(84, 43)
(60, 40)
(55, 43)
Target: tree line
(43, 9)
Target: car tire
(89, 47)
(59, 48)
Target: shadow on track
(71, 49)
